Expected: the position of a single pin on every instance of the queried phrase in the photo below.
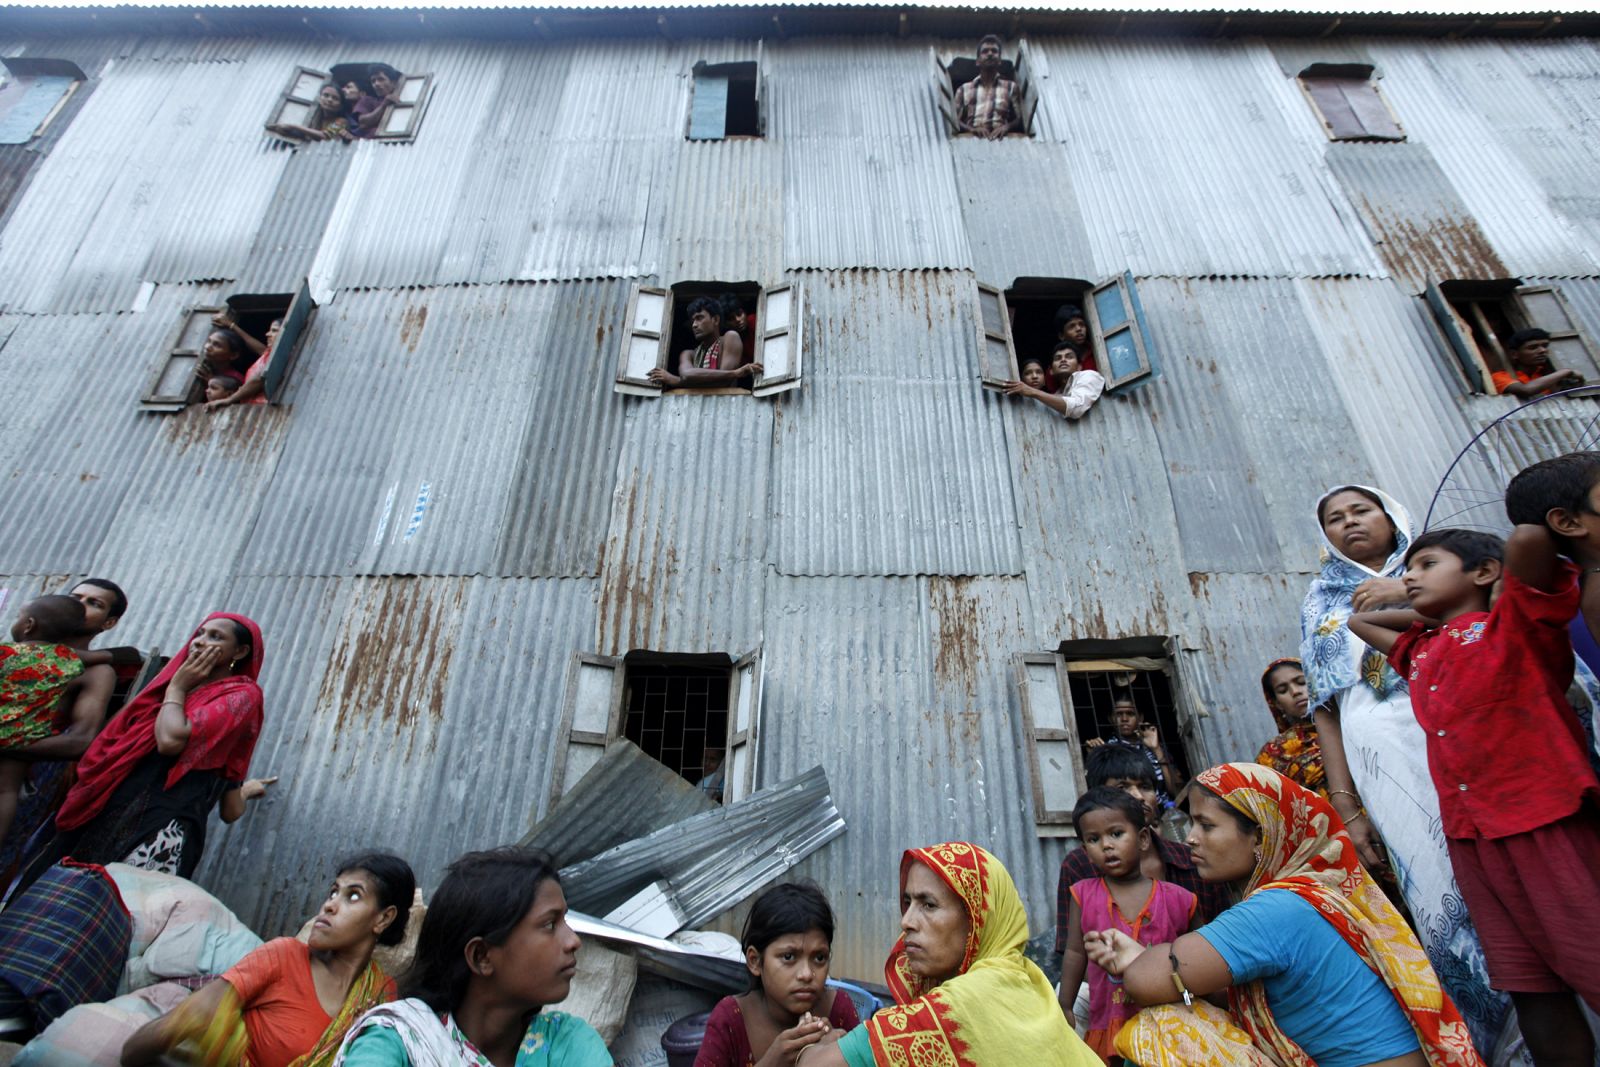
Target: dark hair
(1066, 313)
(235, 342)
(1322, 505)
(241, 632)
(789, 908)
(731, 304)
(1563, 482)
(227, 379)
(484, 894)
(59, 617)
(394, 883)
(382, 68)
(1067, 346)
(1266, 676)
(119, 599)
(1246, 824)
(1104, 798)
(1522, 337)
(1038, 361)
(709, 304)
(1471, 546)
(986, 38)
(1106, 762)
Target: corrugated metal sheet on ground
(1021, 210)
(1185, 164)
(102, 212)
(687, 543)
(902, 689)
(1247, 410)
(1522, 164)
(1398, 384)
(421, 710)
(506, 471)
(75, 450)
(725, 220)
(1415, 216)
(892, 459)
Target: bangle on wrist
(1343, 793)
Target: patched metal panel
(296, 217)
(1021, 210)
(687, 543)
(398, 702)
(918, 668)
(892, 460)
(1414, 215)
(1521, 156)
(506, 470)
(725, 219)
(1184, 164)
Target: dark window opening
(963, 69)
(32, 92)
(299, 115)
(1033, 304)
(748, 295)
(1095, 693)
(678, 714)
(1346, 98)
(726, 101)
(186, 369)
(1478, 317)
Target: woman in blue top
(1319, 968)
(495, 948)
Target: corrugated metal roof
(891, 460)
(902, 688)
(687, 544)
(1186, 162)
(418, 713)
(508, 477)
(1518, 154)
(1416, 219)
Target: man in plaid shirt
(987, 105)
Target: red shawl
(224, 721)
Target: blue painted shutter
(708, 116)
(1459, 336)
(41, 93)
(1122, 338)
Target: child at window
(219, 386)
(36, 668)
(1033, 373)
(1072, 326)
(1531, 374)
(788, 943)
(1077, 389)
(1111, 825)
(253, 390)
(740, 321)
(1517, 796)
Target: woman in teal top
(495, 948)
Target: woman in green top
(495, 948)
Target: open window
(1023, 322)
(1345, 97)
(697, 714)
(727, 100)
(659, 331)
(951, 72)
(1067, 699)
(181, 374)
(1479, 316)
(297, 104)
(32, 93)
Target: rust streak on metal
(411, 324)
(955, 659)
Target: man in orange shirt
(1531, 374)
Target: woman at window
(963, 991)
(288, 1003)
(1373, 752)
(254, 388)
(180, 748)
(329, 120)
(224, 353)
(1318, 966)
(495, 949)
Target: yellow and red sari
(1000, 1008)
(1304, 849)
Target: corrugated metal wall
(452, 501)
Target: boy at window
(1072, 326)
(1079, 388)
(717, 357)
(739, 320)
(370, 111)
(987, 105)
(1143, 738)
(1531, 374)
(220, 386)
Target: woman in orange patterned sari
(964, 994)
(1319, 968)
(1294, 753)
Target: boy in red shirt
(1516, 794)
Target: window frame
(794, 330)
(155, 401)
(296, 321)
(987, 370)
(1049, 822)
(417, 109)
(638, 384)
(1343, 77)
(1021, 73)
(661, 333)
(26, 73)
(723, 72)
(287, 97)
(1569, 331)
(1134, 322)
(1514, 298)
(592, 677)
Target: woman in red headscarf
(1295, 753)
(149, 781)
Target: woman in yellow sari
(289, 1004)
(965, 996)
(1319, 968)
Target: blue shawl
(1335, 659)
